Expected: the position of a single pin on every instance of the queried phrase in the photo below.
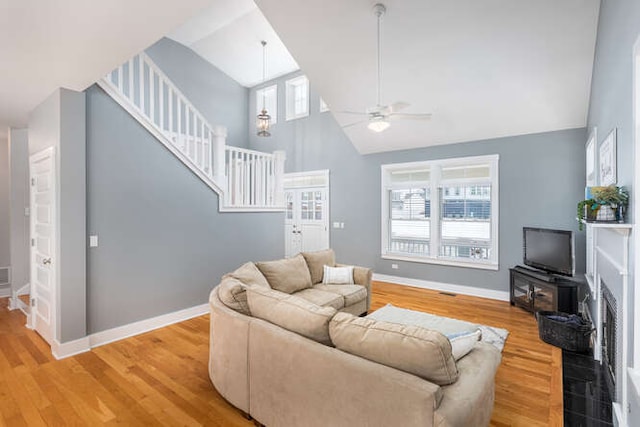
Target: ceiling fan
(379, 116)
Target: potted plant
(605, 204)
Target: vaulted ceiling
(485, 69)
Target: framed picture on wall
(590, 149)
(607, 159)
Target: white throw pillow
(463, 343)
(337, 275)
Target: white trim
(146, 325)
(435, 182)
(81, 345)
(446, 287)
(443, 261)
(5, 292)
(69, 348)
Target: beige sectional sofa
(272, 355)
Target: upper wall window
(297, 97)
(442, 211)
(268, 97)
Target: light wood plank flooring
(161, 378)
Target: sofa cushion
(337, 275)
(286, 275)
(248, 274)
(352, 294)
(412, 349)
(463, 343)
(232, 293)
(322, 298)
(291, 312)
(317, 260)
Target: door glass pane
(465, 226)
(318, 205)
(289, 212)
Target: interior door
(42, 168)
(306, 220)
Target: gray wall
(219, 98)
(541, 180)
(60, 122)
(162, 243)
(19, 166)
(5, 253)
(612, 105)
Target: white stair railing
(254, 178)
(148, 95)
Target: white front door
(42, 169)
(306, 220)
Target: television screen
(549, 250)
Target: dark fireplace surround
(610, 340)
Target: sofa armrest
(362, 276)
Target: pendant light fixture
(264, 119)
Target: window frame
(435, 183)
(290, 91)
(272, 112)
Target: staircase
(245, 180)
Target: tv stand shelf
(538, 291)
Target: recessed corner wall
(60, 122)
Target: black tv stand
(538, 274)
(538, 291)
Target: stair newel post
(279, 158)
(218, 147)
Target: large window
(442, 211)
(268, 97)
(297, 90)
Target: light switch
(336, 225)
(93, 241)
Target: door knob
(46, 261)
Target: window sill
(444, 261)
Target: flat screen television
(549, 250)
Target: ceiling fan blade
(359, 113)
(409, 116)
(354, 123)
(397, 106)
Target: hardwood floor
(161, 377)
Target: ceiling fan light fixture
(378, 125)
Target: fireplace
(610, 343)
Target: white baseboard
(146, 325)
(71, 348)
(445, 287)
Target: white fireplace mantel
(608, 261)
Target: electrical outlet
(342, 225)
(336, 225)
(394, 266)
(93, 241)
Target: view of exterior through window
(441, 210)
